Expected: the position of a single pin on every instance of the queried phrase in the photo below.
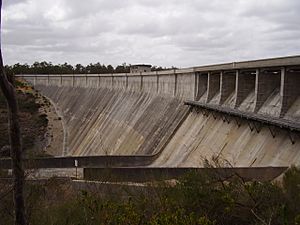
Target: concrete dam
(247, 113)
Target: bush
(197, 199)
(3, 173)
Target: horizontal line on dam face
(282, 123)
(83, 161)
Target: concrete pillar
(86, 80)
(289, 89)
(112, 82)
(213, 86)
(202, 82)
(48, 80)
(61, 80)
(126, 81)
(99, 80)
(227, 84)
(195, 86)
(245, 83)
(266, 82)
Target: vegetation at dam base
(193, 199)
(33, 121)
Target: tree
(7, 87)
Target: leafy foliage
(49, 68)
(196, 199)
(33, 123)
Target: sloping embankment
(115, 122)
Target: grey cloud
(171, 32)
(7, 3)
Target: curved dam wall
(123, 114)
(110, 122)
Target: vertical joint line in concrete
(175, 85)
(157, 82)
(73, 80)
(141, 85)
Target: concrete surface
(144, 114)
(133, 174)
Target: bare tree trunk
(8, 90)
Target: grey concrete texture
(203, 138)
(146, 174)
(144, 113)
(114, 122)
(245, 85)
(213, 88)
(227, 86)
(83, 161)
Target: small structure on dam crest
(140, 68)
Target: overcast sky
(178, 33)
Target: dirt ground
(41, 127)
(55, 134)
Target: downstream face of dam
(101, 121)
(247, 113)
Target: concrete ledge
(83, 161)
(279, 122)
(271, 62)
(145, 174)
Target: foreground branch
(7, 87)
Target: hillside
(33, 121)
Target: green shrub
(197, 199)
(3, 173)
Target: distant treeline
(49, 68)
